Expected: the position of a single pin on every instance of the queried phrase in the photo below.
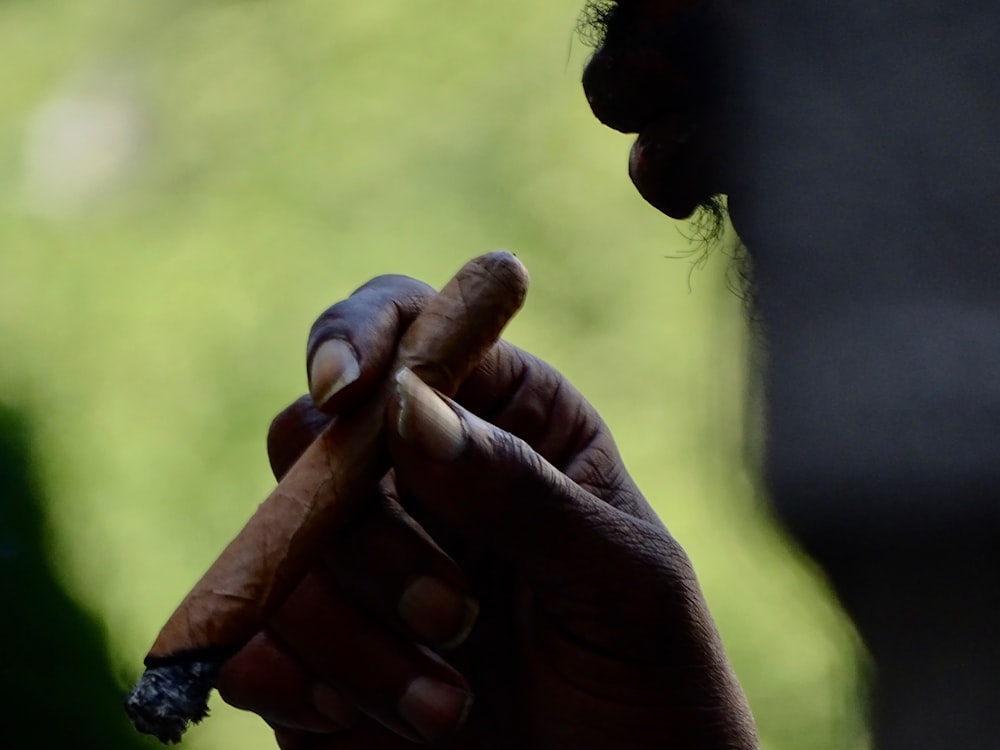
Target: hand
(591, 628)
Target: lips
(668, 162)
(651, 78)
(640, 92)
(660, 169)
(675, 165)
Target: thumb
(615, 602)
(493, 488)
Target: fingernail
(332, 705)
(434, 708)
(425, 420)
(437, 613)
(334, 365)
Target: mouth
(635, 83)
(663, 169)
(667, 161)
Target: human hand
(591, 629)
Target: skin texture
(562, 654)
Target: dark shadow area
(57, 689)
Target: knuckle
(522, 471)
(513, 455)
(384, 304)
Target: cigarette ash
(168, 697)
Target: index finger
(512, 389)
(353, 343)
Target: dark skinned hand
(507, 586)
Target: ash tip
(169, 697)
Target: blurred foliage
(185, 186)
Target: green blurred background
(185, 185)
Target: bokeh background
(185, 185)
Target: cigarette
(282, 540)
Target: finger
(510, 388)
(404, 687)
(492, 487)
(291, 432)
(408, 579)
(266, 679)
(353, 343)
(527, 397)
(294, 739)
(366, 735)
(611, 598)
(385, 561)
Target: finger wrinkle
(573, 430)
(537, 414)
(509, 365)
